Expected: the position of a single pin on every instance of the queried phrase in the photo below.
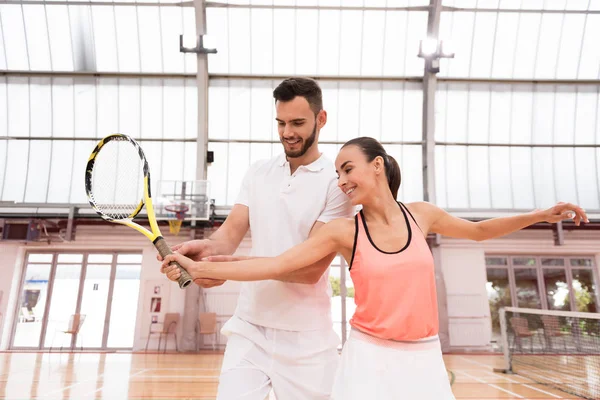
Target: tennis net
(555, 348)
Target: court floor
(195, 376)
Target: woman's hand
(563, 211)
(194, 268)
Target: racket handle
(164, 250)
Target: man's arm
(226, 239)
(229, 235)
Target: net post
(505, 349)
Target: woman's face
(357, 176)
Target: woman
(393, 351)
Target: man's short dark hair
(304, 87)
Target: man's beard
(305, 146)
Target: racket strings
(118, 179)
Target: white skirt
(373, 368)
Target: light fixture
(428, 48)
(188, 42)
(194, 44)
(432, 50)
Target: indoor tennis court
(243, 128)
(176, 376)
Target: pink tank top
(394, 292)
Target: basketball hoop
(179, 210)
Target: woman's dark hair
(371, 148)
(303, 87)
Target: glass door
(31, 311)
(63, 300)
(124, 302)
(96, 288)
(103, 289)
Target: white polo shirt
(283, 209)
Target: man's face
(298, 126)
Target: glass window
(581, 262)
(553, 262)
(124, 309)
(32, 305)
(129, 259)
(44, 258)
(93, 304)
(585, 290)
(100, 258)
(15, 39)
(498, 292)
(557, 289)
(514, 177)
(63, 305)
(567, 284)
(523, 261)
(87, 107)
(325, 42)
(496, 261)
(527, 288)
(510, 45)
(70, 258)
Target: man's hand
(195, 250)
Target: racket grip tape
(164, 250)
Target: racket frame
(154, 235)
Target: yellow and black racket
(117, 182)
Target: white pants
(373, 368)
(297, 365)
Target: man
(281, 334)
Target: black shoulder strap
(355, 239)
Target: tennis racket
(117, 183)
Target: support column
(202, 83)
(429, 88)
(193, 293)
(428, 162)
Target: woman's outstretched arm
(439, 221)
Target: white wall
(11, 256)
(468, 311)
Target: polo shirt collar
(315, 166)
